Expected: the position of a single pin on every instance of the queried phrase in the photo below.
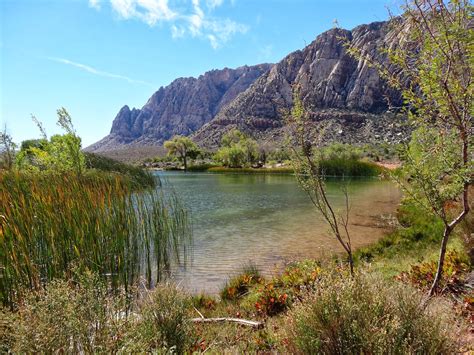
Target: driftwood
(249, 323)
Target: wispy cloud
(98, 72)
(187, 18)
(149, 11)
(95, 4)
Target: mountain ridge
(181, 107)
(346, 98)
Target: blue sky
(94, 56)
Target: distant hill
(343, 95)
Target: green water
(268, 220)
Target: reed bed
(50, 223)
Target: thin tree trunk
(442, 254)
(447, 232)
(351, 262)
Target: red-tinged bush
(272, 300)
(422, 275)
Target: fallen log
(249, 323)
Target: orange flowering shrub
(272, 300)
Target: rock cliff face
(344, 96)
(180, 108)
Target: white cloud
(187, 18)
(95, 4)
(98, 72)
(148, 11)
(212, 4)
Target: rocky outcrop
(180, 108)
(338, 91)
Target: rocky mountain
(345, 97)
(179, 108)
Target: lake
(268, 220)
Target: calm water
(268, 220)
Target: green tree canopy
(59, 153)
(183, 148)
(237, 149)
(432, 65)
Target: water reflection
(268, 220)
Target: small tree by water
(431, 64)
(311, 177)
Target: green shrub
(164, 322)
(68, 317)
(300, 274)
(417, 229)
(221, 169)
(204, 301)
(349, 167)
(82, 315)
(367, 315)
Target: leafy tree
(183, 148)
(432, 66)
(234, 136)
(233, 156)
(237, 149)
(306, 163)
(33, 143)
(250, 148)
(59, 153)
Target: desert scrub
(272, 300)
(49, 222)
(83, 315)
(367, 315)
(163, 323)
(71, 316)
(300, 275)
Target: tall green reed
(51, 222)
